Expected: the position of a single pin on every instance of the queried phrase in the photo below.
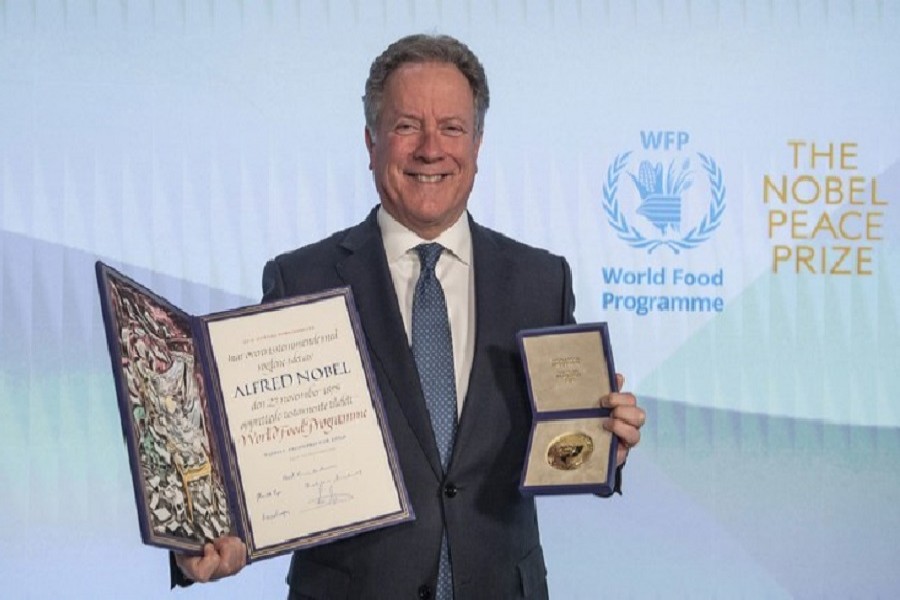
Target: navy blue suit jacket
(491, 527)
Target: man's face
(424, 150)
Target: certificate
(263, 422)
(568, 370)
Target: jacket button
(450, 490)
(424, 592)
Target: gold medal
(570, 450)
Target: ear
(370, 144)
(477, 142)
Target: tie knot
(429, 255)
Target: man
(475, 535)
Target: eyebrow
(442, 120)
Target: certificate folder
(568, 370)
(263, 422)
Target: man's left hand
(626, 419)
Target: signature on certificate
(330, 491)
(275, 514)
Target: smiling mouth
(428, 178)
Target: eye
(454, 130)
(405, 128)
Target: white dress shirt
(453, 270)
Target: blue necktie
(432, 348)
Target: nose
(429, 148)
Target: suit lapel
(492, 272)
(366, 271)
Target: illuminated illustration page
(180, 489)
(312, 459)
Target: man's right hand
(222, 557)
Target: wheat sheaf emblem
(662, 197)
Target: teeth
(429, 178)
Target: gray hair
(423, 48)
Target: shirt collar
(398, 239)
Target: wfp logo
(671, 210)
(661, 198)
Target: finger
(233, 556)
(618, 399)
(631, 414)
(230, 544)
(199, 568)
(628, 435)
(620, 381)
(210, 561)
